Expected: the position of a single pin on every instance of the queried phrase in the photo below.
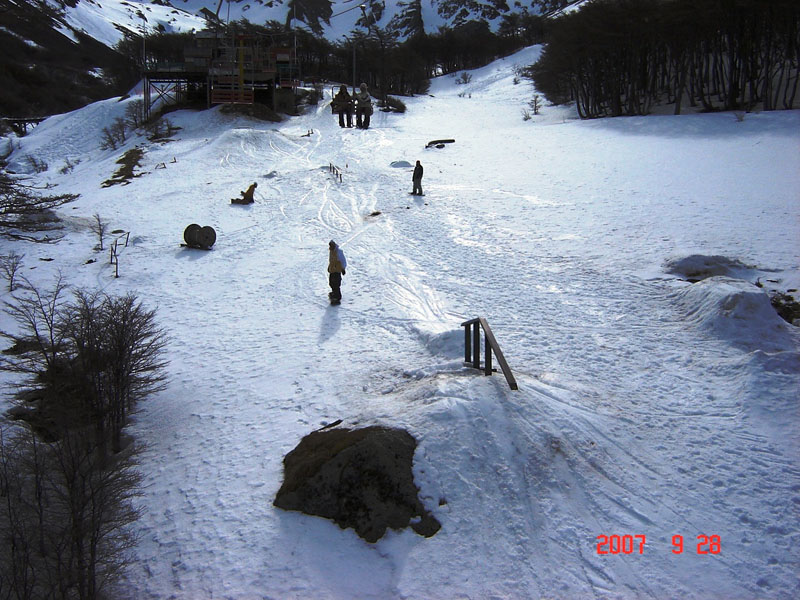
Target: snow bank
(70, 136)
(737, 311)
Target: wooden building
(219, 68)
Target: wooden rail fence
(472, 349)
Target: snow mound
(400, 164)
(698, 267)
(737, 311)
(449, 344)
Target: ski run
(648, 406)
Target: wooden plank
(512, 382)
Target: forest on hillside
(622, 57)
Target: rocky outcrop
(359, 478)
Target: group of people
(343, 104)
(337, 263)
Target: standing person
(363, 107)
(336, 268)
(416, 179)
(343, 104)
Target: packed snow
(648, 405)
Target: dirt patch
(698, 267)
(129, 161)
(256, 111)
(359, 478)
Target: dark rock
(786, 306)
(359, 478)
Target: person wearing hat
(343, 104)
(363, 107)
(336, 268)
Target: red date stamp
(634, 544)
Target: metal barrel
(190, 234)
(206, 237)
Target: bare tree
(88, 361)
(26, 215)
(99, 228)
(10, 264)
(65, 516)
(66, 480)
(115, 135)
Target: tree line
(621, 57)
(397, 59)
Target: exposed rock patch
(359, 478)
(698, 267)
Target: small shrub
(535, 104)
(464, 78)
(38, 166)
(114, 136)
(160, 129)
(68, 166)
(134, 114)
(526, 114)
(395, 104)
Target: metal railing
(472, 349)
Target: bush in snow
(87, 362)
(535, 104)
(114, 136)
(395, 104)
(464, 78)
(36, 164)
(68, 166)
(134, 114)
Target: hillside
(59, 54)
(648, 406)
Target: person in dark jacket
(337, 264)
(416, 179)
(343, 104)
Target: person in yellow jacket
(337, 264)
(247, 197)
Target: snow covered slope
(106, 20)
(648, 406)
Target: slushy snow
(648, 406)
